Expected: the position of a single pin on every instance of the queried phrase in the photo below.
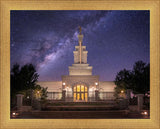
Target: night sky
(114, 40)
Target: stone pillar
(140, 102)
(96, 95)
(63, 95)
(129, 93)
(19, 100)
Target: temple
(80, 85)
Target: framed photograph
(76, 64)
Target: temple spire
(80, 35)
(80, 30)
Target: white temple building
(80, 85)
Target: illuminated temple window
(82, 88)
(86, 96)
(82, 96)
(85, 89)
(78, 88)
(80, 92)
(78, 96)
(74, 96)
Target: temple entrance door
(80, 93)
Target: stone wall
(54, 86)
(106, 86)
(88, 80)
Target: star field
(114, 40)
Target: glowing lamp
(14, 113)
(145, 113)
(96, 83)
(122, 91)
(64, 83)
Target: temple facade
(80, 85)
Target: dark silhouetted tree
(138, 79)
(23, 78)
(141, 78)
(123, 81)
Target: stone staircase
(81, 106)
(74, 114)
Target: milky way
(114, 39)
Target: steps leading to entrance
(75, 114)
(80, 108)
(110, 114)
(108, 102)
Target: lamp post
(63, 85)
(63, 91)
(96, 92)
(96, 84)
(38, 94)
(122, 94)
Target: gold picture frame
(7, 5)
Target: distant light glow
(122, 91)
(144, 113)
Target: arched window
(80, 93)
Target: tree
(138, 79)
(40, 92)
(23, 79)
(122, 81)
(141, 78)
(14, 79)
